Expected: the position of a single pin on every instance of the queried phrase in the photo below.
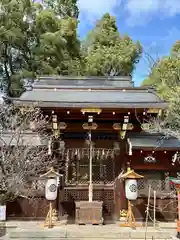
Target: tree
(64, 8)
(36, 39)
(108, 53)
(166, 125)
(165, 74)
(165, 78)
(25, 136)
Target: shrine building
(117, 112)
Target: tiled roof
(106, 92)
(84, 82)
(153, 141)
(97, 96)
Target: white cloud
(94, 9)
(143, 10)
(137, 12)
(172, 7)
(138, 6)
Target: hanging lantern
(49, 147)
(131, 189)
(131, 192)
(54, 120)
(130, 147)
(125, 124)
(52, 182)
(51, 189)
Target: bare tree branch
(24, 136)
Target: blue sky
(154, 22)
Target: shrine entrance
(105, 169)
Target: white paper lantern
(131, 189)
(2, 213)
(51, 189)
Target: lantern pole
(178, 222)
(90, 126)
(90, 170)
(50, 215)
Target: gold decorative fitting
(153, 110)
(88, 126)
(130, 126)
(122, 134)
(123, 213)
(91, 110)
(117, 126)
(62, 125)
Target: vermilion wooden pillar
(176, 182)
(178, 222)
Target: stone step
(54, 234)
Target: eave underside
(104, 105)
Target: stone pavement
(35, 230)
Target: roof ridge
(82, 78)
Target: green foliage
(165, 78)
(175, 51)
(108, 53)
(165, 75)
(37, 39)
(40, 38)
(64, 8)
